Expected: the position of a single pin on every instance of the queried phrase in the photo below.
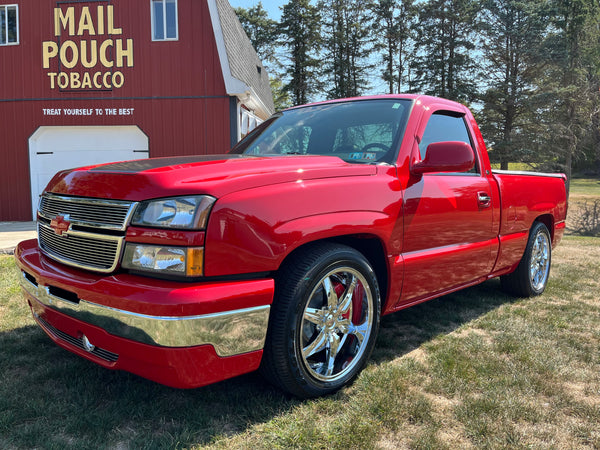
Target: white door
(57, 148)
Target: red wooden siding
(175, 89)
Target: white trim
(18, 30)
(255, 103)
(164, 5)
(250, 117)
(239, 115)
(233, 86)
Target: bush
(586, 220)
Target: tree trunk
(596, 139)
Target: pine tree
(566, 82)
(263, 32)
(592, 64)
(347, 45)
(261, 29)
(300, 36)
(511, 32)
(281, 98)
(394, 22)
(445, 67)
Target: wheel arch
(370, 246)
(548, 221)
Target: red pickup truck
(284, 253)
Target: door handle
(484, 200)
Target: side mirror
(451, 156)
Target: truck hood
(215, 175)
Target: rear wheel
(324, 320)
(531, 275)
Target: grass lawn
(584, 188)
(475, 369)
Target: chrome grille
(111, 214)
(84, 250)
(93, 233)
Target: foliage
(568, 43)
(511, 39)
(261, 30)
(445, 65)
(281, 98)
(347, 46)
(394, 23)
(586, 220)
(300, 30)
(531, 68)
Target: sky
(272, 6)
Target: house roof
(244, 74)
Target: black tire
(531, 275)
(324, 320)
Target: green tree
(567, 84)
(261, 29)
(347, 46)
(592, 58)
(511, 34)
(394, 22)
(281, 98)
(445, 66)
(300, 36)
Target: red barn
(83, 82)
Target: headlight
(186, 261)
(189, 213)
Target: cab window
(446, 126)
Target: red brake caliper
(357, 298)
(357, 303)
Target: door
(449, 240)
(52, 149)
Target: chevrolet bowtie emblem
(60, 224)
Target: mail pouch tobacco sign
(88, 51)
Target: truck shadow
(406, 330)
(49, 396)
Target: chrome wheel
(531, 275)
(324, 320)
(540, 261)
(336, 324)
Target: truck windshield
(359, 131)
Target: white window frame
(247, 121)
(152, 21)
(5, 7)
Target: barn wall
(173, 91)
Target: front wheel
(531, 275)
(324, 320)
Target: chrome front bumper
(230, 332)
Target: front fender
(254, 230)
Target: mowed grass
(584, 188)
(475, 369)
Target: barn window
(9, 25)
(164, 20)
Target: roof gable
(243, 72)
